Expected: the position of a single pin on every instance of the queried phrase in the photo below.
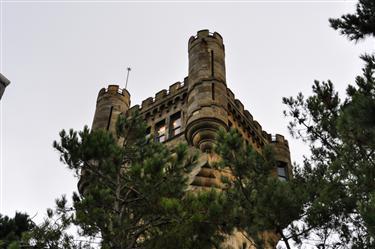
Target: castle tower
(193, 111)
(110, 103)
(207, 92)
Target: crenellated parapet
(245, 120)
(162, 99)
(280, 140)
(204, 34)
(252, 127)
(163, 95)
(114, 91)
(134, 109)
(282, 146)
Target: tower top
(114, 91)
(205, 34)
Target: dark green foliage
(12, 229)
(260, 201)
(125, 181)
(359, 25)
(340, 174)
(132, 195)
(203, 222)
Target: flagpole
(127, 77)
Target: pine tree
(339, 177)
(133, 194)
(262, 206)
(12, 229)
(359, 25)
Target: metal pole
(127, 77)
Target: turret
(110, 103)
(207, 91)
(282, 156)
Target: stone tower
(207, 92)
(110, 103)
(193, 111)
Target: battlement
(134, 109)
(255, 129)
(193, 94)
(161, 96)
(205, 34)
(244, 116)
(279, 139)
(113, 90)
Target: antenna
(127, 77)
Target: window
(213, 91)
(212, 63)
(160, 129)
(282, 172)
(175, 124)
(109, 118)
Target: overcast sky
(59, 54)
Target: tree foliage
(12, 229)
(132, 195)
(359, 25)
(339, 176)
(262, 205)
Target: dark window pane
(282, 171)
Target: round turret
(207, 91)
(206, 57)
(110, 103)
(282, 156)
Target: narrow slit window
(213, 91)
(160, 129)
(109, 118)
(175, 124)
(212, 63)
